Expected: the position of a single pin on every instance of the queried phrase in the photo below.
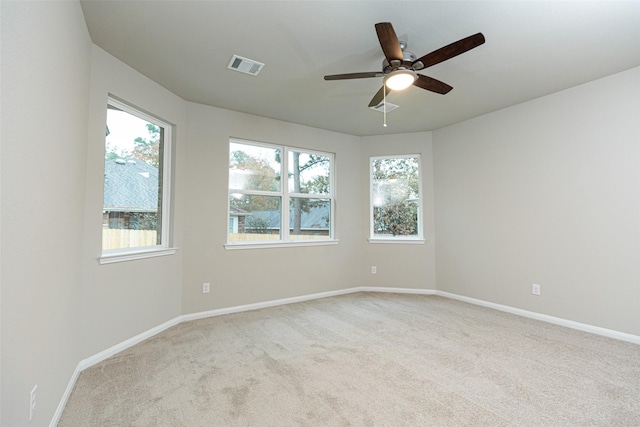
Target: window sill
(133, 255)
(235, 246)
(400, 241)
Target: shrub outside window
(136, 176)
(396, 207)
(261, 201)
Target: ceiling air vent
(244, 65)
(381, 107)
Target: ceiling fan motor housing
(406, 63)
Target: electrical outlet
(206, 287)
(32, 402)
(535, 289)
(374, 269)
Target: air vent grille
(381, 107)
(244, 65)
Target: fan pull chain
(384, 106)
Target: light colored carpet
(364, 359)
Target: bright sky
(124, 128)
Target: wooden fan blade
(378, 97)
(353, 76)
(389, 41)
(449, 51)
(429, 83)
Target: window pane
(395, 196)
(264, 208)
(256, 218)
(309, 219)
(253, 167)
(132, 208)
(309, 173)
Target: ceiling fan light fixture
(400, 79)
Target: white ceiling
(532, 49)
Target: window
(396, 207)
(261, 201)
(136, 185)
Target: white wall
(399, 265)
(247, 276)
(123, 299)
(546, 192)
(45, 92)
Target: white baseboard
(65, 397)
(634, 339)
(389, 290)
(99, 357)
(265, 304)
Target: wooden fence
(115, 238)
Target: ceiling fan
(399, 66)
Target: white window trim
(129, 254)
(279, 244)
(415, 240)
(285, 240)
(398, 240)
(138, 253)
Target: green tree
(398, 219)
(148, 150)
(257, 225)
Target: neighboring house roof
(316, 219)
(130, 185)
(233, 211)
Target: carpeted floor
(365, 359)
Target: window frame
(285, 197)
(109, 256)
(419, 237)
